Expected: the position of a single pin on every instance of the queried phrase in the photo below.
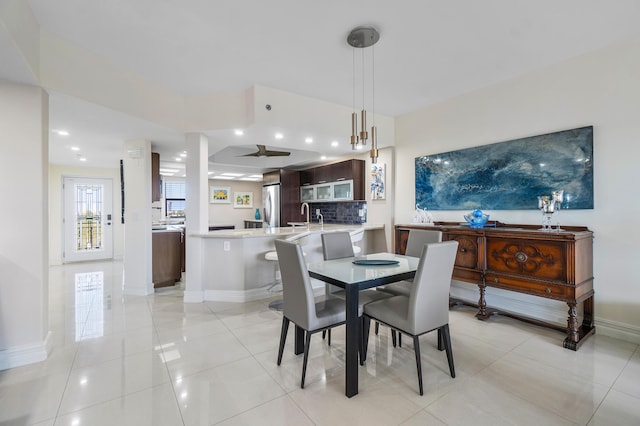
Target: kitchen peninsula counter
(286, 231)
(234, 268)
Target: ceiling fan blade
(264, 152)
(276, 153)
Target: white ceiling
(429, 51)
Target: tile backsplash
(347, 212)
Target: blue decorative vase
(476, 219)
(257, 214)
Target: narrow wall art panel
(510, 175)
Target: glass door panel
(324, 192)
(87, 219)
(343, 190)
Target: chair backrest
(429, 298)
(336, 245)
(418, 238)
(297, 293)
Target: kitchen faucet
(302, 212)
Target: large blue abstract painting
(510, 175)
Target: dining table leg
(352, 341)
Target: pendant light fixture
(361, 38)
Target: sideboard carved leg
(482, 303)
(573, 335)
(587, 313)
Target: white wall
(600, 89)
(56, 229)
(24, 277)
(226, 214)
(381, 211)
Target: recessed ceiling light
(82, 159)
(75, 148)
(224, 177)
(255, 176)
(162, 169)
(358, 146)
(308, 140)
(178, 159)
(334, 143)
(183, 155)
(239, 132)
(279, 135)
(324, 157)
(62, 132)
(232, 174)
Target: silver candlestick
(546, 205)
(558, 197)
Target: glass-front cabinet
(332, 191)
(343, 190)
(324, 192)
(307, 193)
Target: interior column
(197, 214)
(24, 246)
(138, 278)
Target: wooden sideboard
(554, 265)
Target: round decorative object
(476, 219)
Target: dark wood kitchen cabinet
(521, 258)
(167, 257)
(336, 172)
(156, 183)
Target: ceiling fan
(264, 152)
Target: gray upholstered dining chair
(416, 241)
(426, 308)
(299, 303)
(338, 245)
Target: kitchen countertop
(285, 231)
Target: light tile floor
(121, 360)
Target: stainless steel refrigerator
(271, 205)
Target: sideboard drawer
(529, 258)
(548, 290)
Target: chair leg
(416, 346)
(365, 327)
(446, 337)
(377, 327)
(393, 337)
(307, 343)
(440, 341)
(326, 333)
(283, 337)
(399, 339)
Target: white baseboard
(241, 296)
(26, 354)
(618, 330)
(238, 296)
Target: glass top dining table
(353, 278)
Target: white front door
(88, 211)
